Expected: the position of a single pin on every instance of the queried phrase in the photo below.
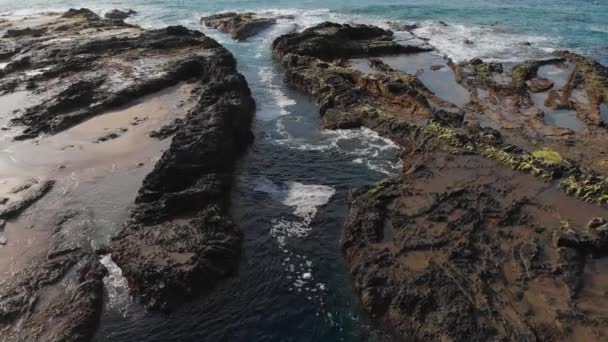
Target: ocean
(291, 188)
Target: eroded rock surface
(57, 298)
(239, 25)
(86, 80)
(181, 240)
(86, 65)
(485, 234)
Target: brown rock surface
(484, 235)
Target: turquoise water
(580, 25)
(291, 188)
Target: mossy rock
(548, 155)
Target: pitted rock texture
(485, 234)
(86, 65)
(181, 241)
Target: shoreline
(501, 120)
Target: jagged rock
(82, 12)
(461, 246)
(167, 262)
(75, 280)
(167, 130)
(117, 14)
(102, 64)
(556, 101)
(239, 25)
(467, 258)
(180, 240)
(329, 41)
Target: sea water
(291, 188)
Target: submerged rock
(239, 25)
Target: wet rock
(167, 262)
(239, 25)
(452, 279)
(538, 85)
(87, 66)
(474, 250)
(590, 241)
(93, 65)
(82, 12)
(591, 79)
(24, 32)
(167, 130)
(117, 14)
(329, 41)
(34, 302)
(437, 67)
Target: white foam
(3, 65)
(307, 198)
(364, 145)
(116, 285)
(464, 42)
(267, 77)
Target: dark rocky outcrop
(57, 296)
(99, 65)
(181, 240)
(117, 14)
(330, 41)
(239, 25)
(483, 236)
